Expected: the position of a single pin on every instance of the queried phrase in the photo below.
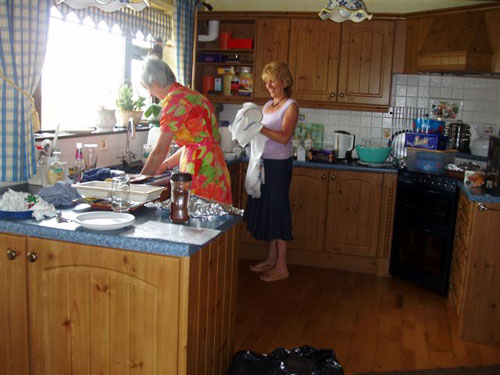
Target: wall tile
(424, 80)
(445, 92)
(423, 92)
(400, 90)
(447, 82)
(413, 80)
(436, 81)
(412, 91)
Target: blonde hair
(278, 71)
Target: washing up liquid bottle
(56, 171)
(79, 165)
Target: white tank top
(274, 121)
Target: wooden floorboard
(372, 323)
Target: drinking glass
(90, 154)
(120, 193)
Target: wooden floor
(372, 323)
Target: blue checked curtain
(184, 38)
(23, 38)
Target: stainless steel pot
(458, 135)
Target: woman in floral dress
(189, 119)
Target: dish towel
(246, 129)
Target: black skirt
(269, 217)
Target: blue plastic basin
(373, 154)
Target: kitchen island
(81, 301)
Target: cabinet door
(13, 309)
(308, 201)
(353, 212)
(98, 311)
(366, 62)
(271, 44)
(314, 59)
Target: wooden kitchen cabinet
(96, 310)
(13, 306)
(340, 219)
(475, 271)
(314, 59)
(272, 36)
(344, 66)
(354, 202)
(366, 63)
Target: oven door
(423, 236)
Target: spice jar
(180, 184)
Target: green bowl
(373, 154)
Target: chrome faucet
(128, 156)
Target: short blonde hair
(278, 71)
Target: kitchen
(409, 88)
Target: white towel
(246, 129)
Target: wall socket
(103, 144)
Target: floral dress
(190, 116)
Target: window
(84, 66)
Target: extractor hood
(456, 43)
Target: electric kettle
(343, 142)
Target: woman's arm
(170, 162)
(287, 127)
(157, 156)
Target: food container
(426, 141)
(321, 156)
(209, 57)
(428, 126)
(240, 43)
(246, 81)
(429, 161)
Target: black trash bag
(304, 360)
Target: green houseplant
(128, 106)
(152, 113)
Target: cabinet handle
(342, 95)
(457, 234)
(332, 95)
(483, 207)
(11, 254)
(333, 177)
(323, 177)
(32, 257)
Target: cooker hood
(456, 43)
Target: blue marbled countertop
(477, 194)
(128, 238)
(339, 165)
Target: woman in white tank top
(269, 218)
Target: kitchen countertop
(340, 165)
(477, 194)
(128, 238)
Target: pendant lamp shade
(343, 10)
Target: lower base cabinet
(341, 219)
(93, 310)
(475, 271)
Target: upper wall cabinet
(314, 59)
(272, 42)
(333, 65)
(366, 62)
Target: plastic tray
(429, 161)
(102, 189)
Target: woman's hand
(162, 168)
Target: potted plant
(152, 113)
(128, 106)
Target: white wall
(480, 95)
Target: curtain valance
(148, 21)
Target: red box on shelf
(240, 43)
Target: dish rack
(402, 123)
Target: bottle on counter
(308, 142)
(56, 170)
(79, 165)
(295, 146)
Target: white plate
(104, 220)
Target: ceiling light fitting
(343, 10)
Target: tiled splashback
(480, 96)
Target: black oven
(424, 226)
